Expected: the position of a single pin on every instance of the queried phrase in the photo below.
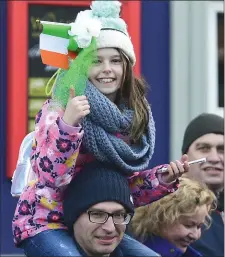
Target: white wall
(193, 66)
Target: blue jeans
(58, 242)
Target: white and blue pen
(164, 169)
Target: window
(215, 61)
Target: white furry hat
(103, 22)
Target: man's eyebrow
(210, 145)
(101, 210)
(95, 209)
(203, 144)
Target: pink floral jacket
(56, 157)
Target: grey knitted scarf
(101, 126)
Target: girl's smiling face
(107, 72)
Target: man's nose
(213, 156)
(109, 225)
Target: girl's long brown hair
(133, 90)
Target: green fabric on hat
(76, 76)
(72, 45)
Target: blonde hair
(152, 218)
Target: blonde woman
(169, 225)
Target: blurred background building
(180, 51)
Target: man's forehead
(108, 206)
(211, 139)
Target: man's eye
(119, 215)
(204, 148)
(220, 149)
(97, 214)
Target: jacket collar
(165, 248)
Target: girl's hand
(175, 170)
(76, 109)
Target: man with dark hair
(204, 137)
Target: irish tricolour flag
(54, 42)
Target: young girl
(170, 225)
(110, 122)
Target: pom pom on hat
(114, 29)
(107, 9)
(108, 13)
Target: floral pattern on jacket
(57, 155)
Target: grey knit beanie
(95, 183)
(205, 123)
